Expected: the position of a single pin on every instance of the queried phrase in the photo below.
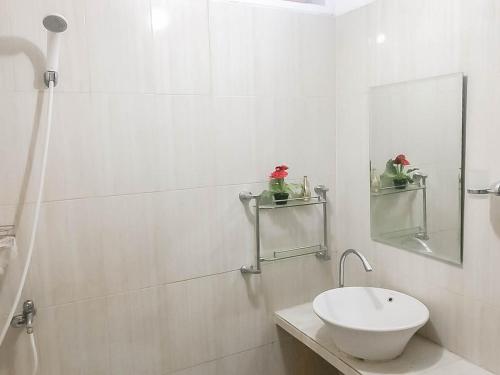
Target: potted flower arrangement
(278, 186)
(396, 171)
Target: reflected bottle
(306, 189)
(374, 181)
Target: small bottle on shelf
(306, 189)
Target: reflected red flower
(401, 160)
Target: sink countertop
(421, 356)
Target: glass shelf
(293, 202)
(393, 190)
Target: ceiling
(336, 7)
(344, 6)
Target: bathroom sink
(370, 323)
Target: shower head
(55, 23)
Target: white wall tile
(6, 61)
(131, 125)
(122, 46)
(127, 143)
(188, 328)
(18, 115)
(317, 55)
(68, 264)
(241, 310)
(134, 341)
(288, 357)
(181, 46)
(192, 143)
(351, 52)
(129, 242)
(78, 157)
(84, 344)
(236, 141)
(490, 338)
(277, 63)
(232, 48)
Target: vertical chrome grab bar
(424, 210)
(421, 178)
(321, 190)
(247, 197)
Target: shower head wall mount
(50, 76)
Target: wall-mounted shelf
(320, 250)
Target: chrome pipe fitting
(25, 318)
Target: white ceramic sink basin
(370, 323)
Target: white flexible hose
(34, 228)
(35, 353)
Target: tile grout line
(104, 196)
(146, 288)
(222, 357)
(124, 292)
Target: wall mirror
(416, 165)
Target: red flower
(401, 159)
(280, 172)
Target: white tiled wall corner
(423, 39)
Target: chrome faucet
(366, 265)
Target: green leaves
(393, 172)
(390, 169)
(266, 197)
(277, 185)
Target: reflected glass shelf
(393, 190)
(293, 202)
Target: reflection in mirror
(416, 161)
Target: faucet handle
(29, 307)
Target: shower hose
(34, 229)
